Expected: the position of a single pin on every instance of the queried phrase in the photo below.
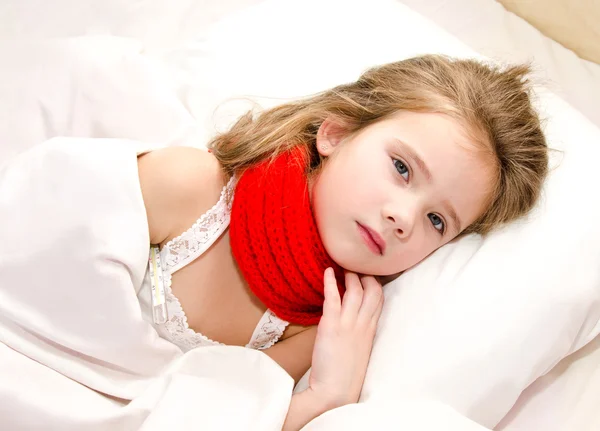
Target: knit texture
(275, 241)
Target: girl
(279, 238)
(370, 177)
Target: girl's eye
(437, 222)
(401, 168)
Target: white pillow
(490, 29)
(477, 322)
(102, 87)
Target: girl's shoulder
(178, 185)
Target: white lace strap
(188, 246)
(268, 331)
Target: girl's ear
(329, 136)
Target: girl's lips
(372, 239)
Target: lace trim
(183, 249)
(268, 331)
(177, 325)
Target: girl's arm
(342, 348)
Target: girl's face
(397, 190)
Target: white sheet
(157, 24)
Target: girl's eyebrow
(415, 158)
(453, 216)
(422, 166)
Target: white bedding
(484, 25)
(489, 29)
(75, 353)
(138, 86)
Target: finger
(379, 309)
(372, 298)
(333, 302)
(353, 296)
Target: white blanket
(74, 348)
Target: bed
(521, 353)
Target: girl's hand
(345, 338)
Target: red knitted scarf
(275, 241)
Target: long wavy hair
(493, 103)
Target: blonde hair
(493, 104)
